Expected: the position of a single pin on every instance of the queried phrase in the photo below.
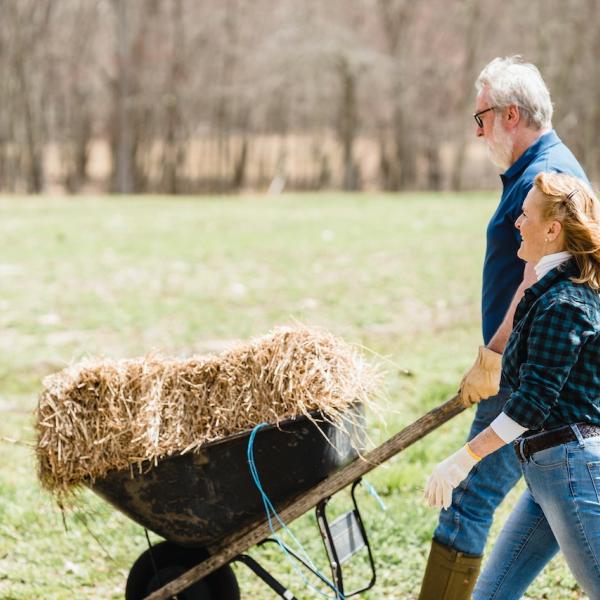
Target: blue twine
(374, 493)
(271, 512)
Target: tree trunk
(434, 166)
(348, 124)
(472, 43)
(124, 152)
(405, 151)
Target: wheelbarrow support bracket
(261, 572)
(342, 539)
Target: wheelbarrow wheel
(165, 562)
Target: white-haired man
(513, 114)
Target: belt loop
(577, 433)
(520, 447)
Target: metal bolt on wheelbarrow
(206, 506)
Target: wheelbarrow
(206, 505)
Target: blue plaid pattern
(552, 358)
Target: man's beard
(500, 146)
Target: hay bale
(100, 415)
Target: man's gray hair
(511, 81)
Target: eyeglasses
(477, 116)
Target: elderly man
(513, 114)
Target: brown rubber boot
(450, 575)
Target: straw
(100, 414)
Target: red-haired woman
(552, 364)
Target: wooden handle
(229, 547)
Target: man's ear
(512, 115)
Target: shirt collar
(563, 271)
(550, 261)
(542, 143)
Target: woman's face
(538, 236)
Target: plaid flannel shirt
(552, 358)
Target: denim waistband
(528, 445)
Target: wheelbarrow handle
(228, 548)
(414, 432)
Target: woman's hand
(450, 472)
(447, 475)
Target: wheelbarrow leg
(275, 585)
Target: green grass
(120, 277)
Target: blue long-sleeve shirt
(502, 268)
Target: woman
(552, 363)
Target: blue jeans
(559, 510)
(464, 526)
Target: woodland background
(182, 96)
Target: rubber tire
(171, 562)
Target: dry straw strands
(101, 415)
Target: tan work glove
(447, 475)
(483, 379)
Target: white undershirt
(506, 428)
(549, 262)
(503, 426)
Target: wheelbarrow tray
(228, 548)
(199, 498)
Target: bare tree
(29, 24)
(397, 18)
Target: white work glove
(447, 475)
(483, 378)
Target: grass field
(120, 277)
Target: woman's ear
(554, 230)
